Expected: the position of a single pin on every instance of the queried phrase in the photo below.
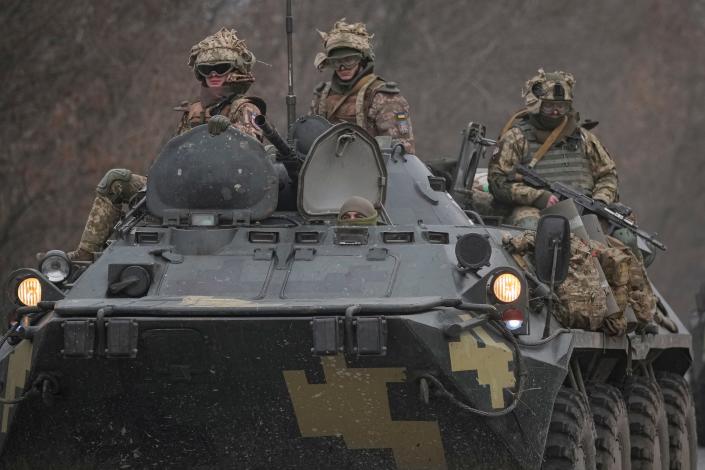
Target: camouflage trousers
(116, 188)
(526, 217)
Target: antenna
(291, 97)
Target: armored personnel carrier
(221, 330)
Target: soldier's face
(352, 215)
(215, 74)
(214, 80)
(346, 68)
(555, 108)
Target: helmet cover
(553, 86)
(224, 46)
(348, 36)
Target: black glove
(218, 124)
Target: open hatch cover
(344, 161)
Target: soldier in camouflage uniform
(354, 93)
(546, 136)
(223, 65)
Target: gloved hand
(218, 124)
(546, 199)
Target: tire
(609, 413)
(680, 411)
(571, 435)
(699, 388)
(648, 425)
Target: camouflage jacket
(240, 111)
(513, 145)
(373, 104)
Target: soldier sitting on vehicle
(355, 94)
(547, 137)
(357, 211)
(223, 65)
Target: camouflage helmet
(547, 86)
(345, 36)
(224, 46)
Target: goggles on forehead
(221, 68)
(345, 63)
(550, 107)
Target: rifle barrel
(272, 135)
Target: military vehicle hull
(247, 392)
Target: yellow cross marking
(491, 362)
(354, 404)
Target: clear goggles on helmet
(221, 68)
(345, 63)
(560, 108)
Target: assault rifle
(616, 215)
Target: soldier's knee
(112, 185)
(525, 217)
(630, 241)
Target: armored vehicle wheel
(699, 388)
(571, 436)
(609, 412)
(648, 425)
(680, 411)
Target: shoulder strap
(360, 114)
(519, 114)
(553, 136)
(361, 84)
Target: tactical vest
(565, 162)
(356, 104)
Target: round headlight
(55, 266)
(506, 287)
(29, 291)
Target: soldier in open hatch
(354, 93)
(223, 65)
(547, 137)
(357, 211)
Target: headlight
(506, 287)
(29, 291)
(55, 266)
